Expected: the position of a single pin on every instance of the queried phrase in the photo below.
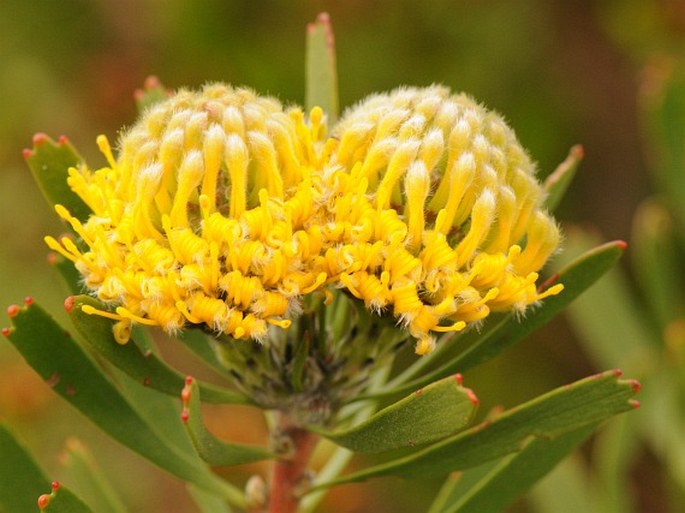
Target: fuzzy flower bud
(205, 217)
(440, 192)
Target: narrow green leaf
(321, 75)
(93, 484)
(211, 449)
(208, 502)
(664, 116)
(557, 183)
(152, 92)
(515, 474)
(432, 413)
(22, 481)
(567, 489)
(609, 322)
(147, 369)
(66, 270)
(577, 277)
(49, 162)
(59, 360)
(200, 345)
(583, 403)
(657, 263)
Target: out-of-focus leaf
(572, 407)
(210, 448)
(147, 369)
(458, 484)
(610, 324)
(515, 474)
(152, 92)
(614, 451)
(577, 277)
(22, 482)
(566, 490)
(93, 484)
(664, 114)
(59, 360)
(557, 183)
(434, 412)
(208, 502)
(321, 78)
(49, 162)
(657, 265)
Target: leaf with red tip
(514, 475)
(557, 183)
(152, 92)
(211, 449)
(49, 162)
(57, 358)
(577, 277)
(147, 369)
(432, 413)
(321, 87)
(581, 404)
(22, 481)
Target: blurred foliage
(562, 72)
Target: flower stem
(289, 472)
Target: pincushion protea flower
(438, 214)
(206, 217)
(223, 210)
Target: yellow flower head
(437, 212)
(207, 215)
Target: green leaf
(22, 482)
(664, 116)
(211, 449)
(439, 410)
(567, 489)
(49, 162)
(147, 369)
(321, 75)
(515, 474)
(152, 92)
(93, 484)
(572, 407)
(609, 322)
(59, 360)
(557, 183)
(208, 502)
(577, 277)
(66, 270)
(657, 262)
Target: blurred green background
(562, 72)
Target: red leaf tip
(55, 485)
(151, 82)
(13, 310)
(39, 138)
(635, 385)
(621, 244)
(459, 378)
(69, 304)
(472, 396)
(634, 403)
(26, 153)
(62, 140)
(618, 373)
(189, 380)
(6, 332)
(28, 300)
(43, 501)
(185, 415)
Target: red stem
(288, 474)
